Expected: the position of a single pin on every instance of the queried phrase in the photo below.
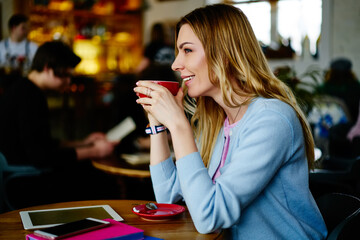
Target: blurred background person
(353, 136)
(355, 130)
(16, 51)
(25, 135)
(341, 82)
(339, 125)
(159, 50)
(155, 65)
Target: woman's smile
(188, 80)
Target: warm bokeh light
(123, 38)
(90, 53)
(61, 5)
(104, 8)
(104, 33)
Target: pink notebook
(116, 230)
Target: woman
(251, 171)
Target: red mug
(173, 86)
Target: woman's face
(192, 65)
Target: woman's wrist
(178, 123)
(154, 129)
(153, 121)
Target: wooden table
(117, 166)
(179, 227)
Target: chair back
(338, 210)
(8, 173)
(347, 229)
(336, 175)
(3, 164)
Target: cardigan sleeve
(165, 182)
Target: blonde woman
(243, 161)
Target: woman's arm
(163, 108)
(163, 171)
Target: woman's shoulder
(270, 104)
(271, 108)
(271, 116)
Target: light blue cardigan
(263, 190)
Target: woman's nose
(176, 66)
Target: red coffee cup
(173, 86)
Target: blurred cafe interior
(300, 39)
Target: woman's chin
(192, 95)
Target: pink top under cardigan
(227, 134)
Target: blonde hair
(233, 53)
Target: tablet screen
(51, 217)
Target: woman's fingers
(160, 103)
(179, 97)
(149, 84)
(146, 87)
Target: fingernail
(137, 83)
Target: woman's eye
(186, 50)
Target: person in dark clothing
(25, 133)
(341, 82)
(158, 51)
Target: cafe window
(283, 20)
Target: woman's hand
(161, 105)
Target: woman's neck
(233, 113)
(236, 114)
